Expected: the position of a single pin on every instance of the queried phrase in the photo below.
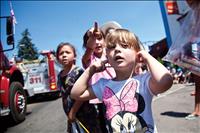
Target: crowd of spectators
(180, 76)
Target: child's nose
(64, 54)
(117, 47)
(97, 41)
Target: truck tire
(18, 102)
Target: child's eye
(64, 52)
(124, 45)
(111, 46)
(99, 36)
(61, 53)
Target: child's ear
(74, 59)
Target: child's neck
(68, 69)
(123, 76)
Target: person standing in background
(93, 42)
(196, 113)
(83, 111)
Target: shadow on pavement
(175, 114)
(6, 123)
(43, 98)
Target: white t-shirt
(128, 103)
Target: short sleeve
(146, 80)
(98, 88)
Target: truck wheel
(18, 102)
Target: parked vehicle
(40, 76)
(13, 100)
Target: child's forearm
(81, 84)
(86, 57)
(156, 68)
(76, 106)
(73, 111)
(161, 77)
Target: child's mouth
(118, 58)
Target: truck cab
(13, 100)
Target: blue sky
(52, 22)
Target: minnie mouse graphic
(123, 113)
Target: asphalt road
(169, 110)
(43, 116)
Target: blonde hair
(123, 36)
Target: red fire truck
(40, 76)
(12, 95)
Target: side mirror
(9, 31)
(10, 40)
(9, 25)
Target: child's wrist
(92, 69)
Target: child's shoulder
(60, 73)
(143, 76)
(78, 70)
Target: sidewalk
(171, 107)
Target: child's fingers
(106, 64)
(138, 58)
(104, 61)
(95, 27)
(99, 65)
(96, 31)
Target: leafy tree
(26, 49)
